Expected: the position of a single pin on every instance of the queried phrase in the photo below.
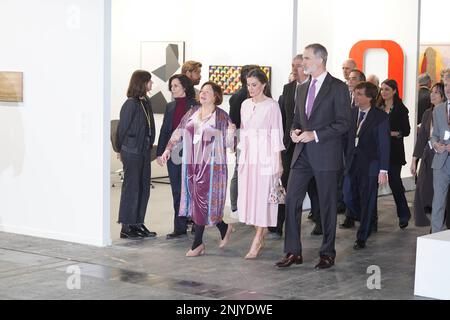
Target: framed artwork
(433, 59)
(162, 59)
(229, 77)
(11, 86)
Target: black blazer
(424, 134)
(235, 105)
(166, 129)
(287, 106)
(330, 118)
(399, 121)
(133, 131)
(424, 103)
(372, 153)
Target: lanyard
(146, 114)
(360, 123)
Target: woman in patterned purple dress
(206, 131)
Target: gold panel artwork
(11, 86)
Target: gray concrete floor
(32, 268)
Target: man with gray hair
(424, 101)
(347, 67)
(322, 118)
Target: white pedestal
(433, 266)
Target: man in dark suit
(322, 117)
(287, 107)
(367, 165)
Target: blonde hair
(190, 66)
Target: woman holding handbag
(260, 166)
(135, 136)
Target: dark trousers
(234, 186)
(315, 204)
(360, 197)
(398, 191)
(179, 223)
(286, 159)
(299, 179)
(135, 187)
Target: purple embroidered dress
(204, 165)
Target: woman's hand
(231, 129)
(395, 133)
(413, 167)
(165, 157)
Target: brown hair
(138, 82)
(218, 94)
(370, 91)
(190, 66)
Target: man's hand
(295, 135)
(447, 148)
(439, 147)
(307, 136)
(382, 178)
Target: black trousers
(179, 223)
(360, 196)
(398, 191)
(135, 187)
(299, 179)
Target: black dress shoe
(348, 223)
(403, 224)
(176, 235)
(289, 260)
(325, 262)
(359, 244)
(130, 233)
(147, 233)
(317, 231)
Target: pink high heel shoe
(199, 251)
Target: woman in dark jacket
(135, 135)
(423, 197)
(392, 104)
(184, 95)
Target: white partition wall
(340, 24)
(53, 171)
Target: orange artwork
(396, 62)
(433, 59)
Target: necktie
(311, 98)
(362, 114)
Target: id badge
(356, 142)
(447, 135)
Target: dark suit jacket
(424, 103)
(235, 105)
(424, 134)
(133, 132)
(330, 118)
(372, 153)
(287, 106)
(399, 121)
(166, 129)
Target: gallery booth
(72, 61)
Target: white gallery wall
(53, 173)
(340, 24)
